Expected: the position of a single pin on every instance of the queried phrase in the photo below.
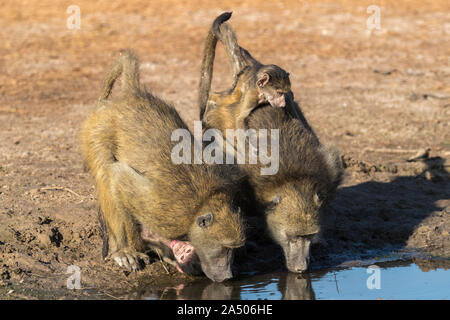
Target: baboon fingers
(143, 257)
(132, 261)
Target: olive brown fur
(126, 144)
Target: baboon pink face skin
(275, 98)
(271, 94)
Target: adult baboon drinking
(182, 211)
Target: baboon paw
(132, 261)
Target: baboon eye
(309, 237)
(303, 237)
(205, 220)
(275, 201)
(317, 200)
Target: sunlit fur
(126, 143)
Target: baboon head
(273, 84)
(292, 217)
(217, 230)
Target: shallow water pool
(391, 280)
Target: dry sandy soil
(379, 95)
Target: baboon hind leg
(249, 103)
(224, 99)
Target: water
(392, 280)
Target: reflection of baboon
(199, 290)
(296, 287)
(291, 287)
(143, 195)
(308, 172)
(206, 291)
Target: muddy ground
(379, 95)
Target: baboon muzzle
(218, 268)
(296, 253)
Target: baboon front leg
(125, 245)
(131, 256)
(224, 99)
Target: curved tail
(208, 61)
(128, 66)
(238, 57)
(98, 134)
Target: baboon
(182, 211)
(254, 83)
(294, 198)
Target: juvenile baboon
(309, 173)
(182, 211)
(254, 83)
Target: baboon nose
(222, 277)
(299, 268)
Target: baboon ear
(205, 220)
(263, 80)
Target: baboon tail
(218, 21)
(128, 66)
(208, 62)
(238, 57)
(130, 75)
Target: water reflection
(275, 286)
(296, 287)
(418, 279)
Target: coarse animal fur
(126, 144)
(309, 172)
